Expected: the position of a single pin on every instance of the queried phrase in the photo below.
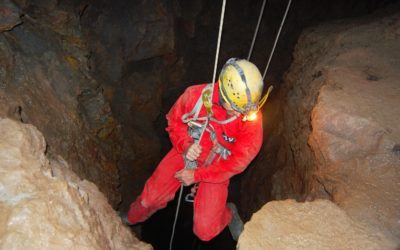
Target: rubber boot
(236, 225)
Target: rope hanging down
(221, 23)
(276, 39)
(213, 81)
(256, 31)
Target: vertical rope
(277, 37)
(221, 23)
(176, 218)
(256, 31)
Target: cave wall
(92, 65)
(131, 44)
(287, 113)
(339, 131)
(45, 81)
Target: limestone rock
(340, 134)
(311, 225)
(44, 205)
(9, 15)
(341, 121)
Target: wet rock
(9, 15)
(311, 225)
(44, 205)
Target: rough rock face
(9, 17)
(44, 80)
(349, 86)
(128, 41)
(44, 205)
(340, 124)
(122, 32)
(311, 225)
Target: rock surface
(340, 129)
(45, 81)
(44, 205)
(349, 88)
(9, 15)
(311, 225)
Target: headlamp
(251, 116)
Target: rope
(180, 195)
(221, 22)
(176, 217)
(256, 31)
(277, 37)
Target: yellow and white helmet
(241, 85)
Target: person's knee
(205, 230)
(150, 202)
(156, 201)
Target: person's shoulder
(195, 89)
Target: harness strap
(220, 150)
(204, 99)
(195, 112)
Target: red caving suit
(243, 139)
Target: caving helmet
(241, 85)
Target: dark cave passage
(98, 77)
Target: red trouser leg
(159, 188)
(211, 215)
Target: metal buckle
(189, 198)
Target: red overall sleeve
(177, 130)
(247, 145)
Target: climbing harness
(196, 129)
(208, 112)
